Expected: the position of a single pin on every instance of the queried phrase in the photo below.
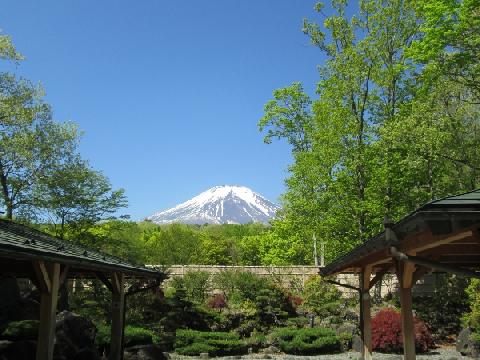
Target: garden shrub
(472, 318)
(321, 298)
(387, 333)
(217, 302)
(310, 341)
(256, 341)
(273, 307)
(178, 312)
(297, 322)
(133, 336)
(443, 310)
(196, 285)
(255, 298)
(240, 285)
(21, 330)
(192, 343)
(295, 300)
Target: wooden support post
(118, 304)
(405, 280)
(365, 313)
(48, 274)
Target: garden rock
(9, 301)
(145, 352)
(357, 343)
(74, 335)
(17, 350)
(466, 345)
(271, 350)
(346, 328)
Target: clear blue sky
(168, 93)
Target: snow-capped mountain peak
(220, 205)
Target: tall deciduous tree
(450, 41)
(31, 143)
(7, 50)
(77, 196)
(379, 143)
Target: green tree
(450, 40)
(380, 142)
(288, 116)
(76, 196)
(172, 244)
(7, 49)
(31, 143)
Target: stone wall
(296, 275)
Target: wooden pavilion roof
(445, 231)
(20, 245)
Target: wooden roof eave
(84, 264)
(415, 232)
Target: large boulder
(145, 352)
(467, 345)
(74, 337)
(17, 350)
(9, 301)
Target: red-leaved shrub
(217, 302)
(295, 300)
(387, 333)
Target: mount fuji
(220, 205)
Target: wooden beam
(378, 276)
(42, 275)
(48, 308)
(366, 315)
(441, 266)
(118, 304)
(419, 273)
(408, 330)
(408, 270)
(427, 241)
(104, 280)
(333, 282)
(64, 273)
(116, 282)
(453, 249)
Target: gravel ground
(448, 353)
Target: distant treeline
(146, 242)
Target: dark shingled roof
(21, 242)
(439, 215)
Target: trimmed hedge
(192, 343)
(133, 336)
(311, 341)
(21, 330)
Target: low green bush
(256, 341)
(322, 298)
(196, 285)
(472, 318)
(192, 343)
(195, 349)
(133, 336)
(21, 330)
(311, 341)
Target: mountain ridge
(224, 204)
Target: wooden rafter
(42, 276)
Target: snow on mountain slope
(220, 205)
